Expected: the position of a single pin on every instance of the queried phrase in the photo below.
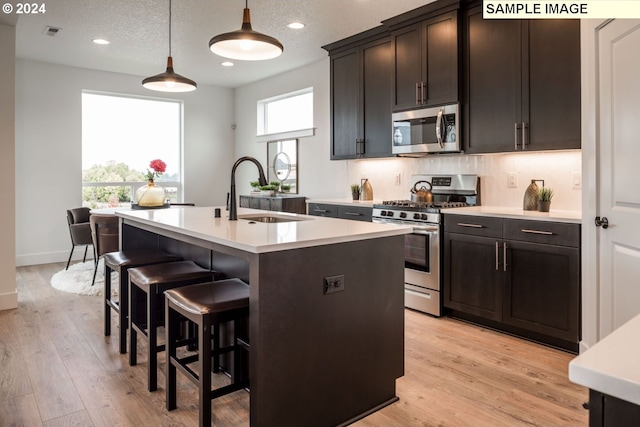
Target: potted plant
(285, 188)
(255, 186)
(544, 199)
(275, 184)
(267, 190)
(355, 191)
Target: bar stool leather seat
(146, 305)
(121, 262)
(207, 305)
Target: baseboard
(51, 257)
(9, 301)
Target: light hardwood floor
(58, 369)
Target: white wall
(322, 178)
(49, 143)
(8, 293)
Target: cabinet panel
(345, 80)
(441, 67)
(358, 213)
(291, 204)
(476, 225)
(408, 67)
(493, 81)
(472, 275)
(321, 209)
(376, 99)
(551, 101)
(542, 286)
(552, 233)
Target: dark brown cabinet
(522, 276)
(426, 63)
(356, 213)
(609, 411)
(283, 203)
(521, 85)
(361, 74)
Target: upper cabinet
(521, 84)
(426, 63)
(361, 75)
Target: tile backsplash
(560, 171)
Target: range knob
(389, 213)
(383, 213)
(425, 216)
(403, 214)
(416, 216)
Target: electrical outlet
(576, 180)
(512, 180)
(333, 284)
(398, 179)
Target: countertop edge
(604, 366)
(573, 217)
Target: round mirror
(282, 166)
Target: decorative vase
(367, 190)
(530, 200)
(543, 206)
(397, 137)
(150, 195)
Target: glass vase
(150, 195)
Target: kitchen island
(326, 325)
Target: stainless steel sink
(270, 218)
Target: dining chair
(79, 230)
(105, 233)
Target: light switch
(512, 180)
(576, 180)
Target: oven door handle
(425, 230)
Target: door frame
(590, 127)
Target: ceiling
(139, 34)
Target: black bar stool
(121, 262)
(207, 305)
(146, 304)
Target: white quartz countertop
(257, 237)
(345, 202)
(612, 366)
(517, 213)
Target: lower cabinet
(609, 411)
(519, 276)
(284, 203)
(357, 213)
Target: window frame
(262, 117)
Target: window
(120, 137)
(286, 113)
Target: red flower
(158, 167)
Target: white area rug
(77, 279)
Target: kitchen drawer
(474, 225)
(358, 213)
(321, 209)
(550, 233)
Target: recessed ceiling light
(227, 64)
(101, 41)
(296, 25)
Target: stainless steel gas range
(423, 247)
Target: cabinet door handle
(504, 255)
(546, 233)
(515, 136)
(353, 213)
(524, 135)
(497, 257)
(464, 224)
(422, 85)
(418, 93)
(320, 210)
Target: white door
(618, 172)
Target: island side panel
(323, 360)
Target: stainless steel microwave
(427, 130)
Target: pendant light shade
(245, 43)
(169, 81)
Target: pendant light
(246, 44)
(169, 81)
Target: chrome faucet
(233, 208)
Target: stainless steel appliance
(427, 130)
(423, 247)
